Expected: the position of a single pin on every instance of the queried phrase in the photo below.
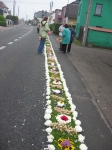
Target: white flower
(47, 116)
(50, 140)
(63, 121)
(48, 102)
(60, 104)
(48, 123)
(78, 128)
(78, 122)
(54, 82)
(73, 107)
(48, 111)
(49, 130)
(50, 136)
(83, 147)
(81, 138)
(56, 91)
(51, 147)
(49, 107)
(75, 113)
(47, 97)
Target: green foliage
(74, 26)
(2, 18)
(55, 27)
(13, 18)
(3, 23)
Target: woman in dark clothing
(73, 33)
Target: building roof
(2, 5)
(100, 29)
(71, 11)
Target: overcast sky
(28, 7)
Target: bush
(74, 26)
(3, 23)
(2, 18)
(55, 27)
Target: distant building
(40, 14)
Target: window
(59, 13)
(98, 9)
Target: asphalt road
(22, 91)
(22, 95)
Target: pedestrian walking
(61, 28)
(66, 35)
(73, 33)
(44, 28)
(38, 27)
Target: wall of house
(106, 15)
(57, 16)
(81, 16)
(102, 39)
(63, 13)
(71, 21)
(103, 20)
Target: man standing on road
(38, 27)
(61, 28)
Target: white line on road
(16, 40)
(10, 43)
(19, 37)
(2, 47)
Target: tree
(13, 18)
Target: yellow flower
(66, 144)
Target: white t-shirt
(61, 28)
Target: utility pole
(18, 11)
(14, 4)
(86, 24)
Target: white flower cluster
(48, 110)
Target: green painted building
(100, 22)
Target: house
(58, 16)
(71, 13)
(40, 14)
(99, 25)
(3, 9)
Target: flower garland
(60, 113)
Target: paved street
(22, 92)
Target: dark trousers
(41, 45)
(69, 46)
(37, 30)
(64, 46)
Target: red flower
(64, 118)
(57, 80)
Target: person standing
(61, 28)
(66, 35)
(73, 33)
(38, 27)
(44, 28)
